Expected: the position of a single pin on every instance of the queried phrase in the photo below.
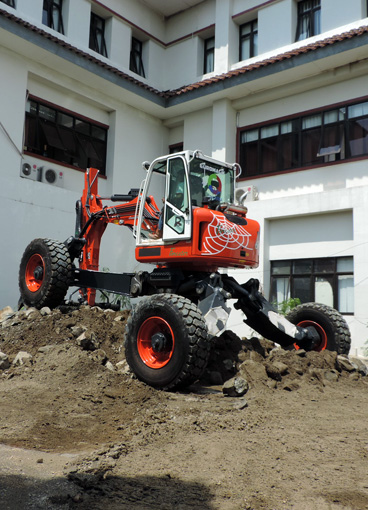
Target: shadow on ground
(94, 492)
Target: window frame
(97, 41)
(252, 35)
(48, 136)
(49, 8)
(309, 17)
(292, 275)
(136, 57)
(209, 55)
(340, 130)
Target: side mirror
(146, 165)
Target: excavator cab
(198, 224)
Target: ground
(78, 431)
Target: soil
(79, 431)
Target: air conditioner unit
(249, 193)
(30, 170)
(51, 176)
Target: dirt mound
(65, 387)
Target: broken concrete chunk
(345, 364)
(78, 330)
(22, 358)
(360, 366)
(88, 341)
(45, 311)
(235, 387)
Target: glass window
(324, 137)
(346, 294)
(52, 14)
(136, 57)
(209, 55)
(11, 3)
(64, 138)
(248, 40)
(325, 280)
(97, 35)
(309, 19)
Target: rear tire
(167, 344)
(45, 273)
(329, 323)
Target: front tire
(330, 325)
(167, 344)
(45, 273)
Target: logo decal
(224, 235)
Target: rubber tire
(56, 276)
(192, 345)
(330, 320)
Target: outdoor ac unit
(51, 176)
(248, 194)
(30, 170)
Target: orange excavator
(198, 230)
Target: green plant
(285, 306)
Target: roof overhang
(324, 61)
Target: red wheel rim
(150, 356)
(321, 332)
(35, 271)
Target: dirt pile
(65, 387)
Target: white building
(279, 86)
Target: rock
(235, 387)
(276, 369)
(110, 366)
(46, 348)
(123, 367)
(4, 361)
(344, 363)
(99, 356)
(78, 330)
(6, 313)
(331, 375)
(88, 341)
(291, 386)
(255, 356)
(22, 358)
(45, 311)
(242, 404)
(301, 352)
(360, 366)
(253, 372)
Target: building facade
(279, 86)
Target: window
(52, 14)
(64, 137)
(8, 2)
(209, 55)
(309, 19)
(248, 40)
(97, 35)
(177, 147)
(136, 57)
(329, 281)
(322, 137)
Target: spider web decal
(224, 235)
